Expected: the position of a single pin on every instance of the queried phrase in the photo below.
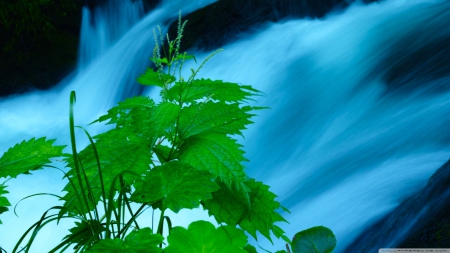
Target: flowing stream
(358, 119)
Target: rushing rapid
(358, 119)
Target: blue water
(340, 145)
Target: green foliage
(178, 154)
(203, 237)
(118, 150)
(315, 240)
(177, 185)
(217, 153)
(4, 203)
(139, 241)
(230, 207)
(27, 156)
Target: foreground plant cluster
(178, 154)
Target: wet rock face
(421, 221)
(225, 20)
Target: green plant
(178, 154)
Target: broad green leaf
(4, 203)
(121, 115)
(203, 237)
(217, 153)
(118, 150)
(207, 88)
(140, 241)
(178, 185)
(230, 207)
(27, 156)
(214, 117)
(314, 240)
(150, 77)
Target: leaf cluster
(180, 153)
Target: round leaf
(314, 240)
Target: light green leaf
(140, 241)
(203, 237)
(27, 156)
(314, 240)
(214, 118)
(178, 185)
(216, 153)
(150, 77)
(207, 88)
(230, 207)
(118, 150)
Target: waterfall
(356, 125)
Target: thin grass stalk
(130, 210)
(66, 242)
(32, 227)
(111, 207)
(160, 225)
(33, 195)
(75, 156)
(132, 219)
(98, 166)
(90, 195)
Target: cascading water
(345, 141)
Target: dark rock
(418, 61)
(150, 4)
(420, 221)
(39, 60)
(224, 21)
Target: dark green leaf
(27, 156)
(178, 185)
(140, 241)
(250, 249)
(207, 88)
(230, 207)
(203, 237)
(314, 240)
(214, 118)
